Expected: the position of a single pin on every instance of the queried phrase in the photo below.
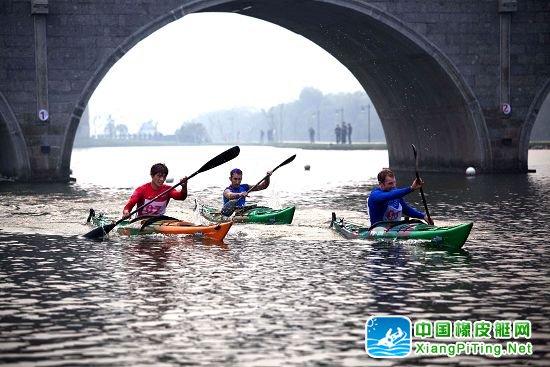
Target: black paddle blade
(287, 161)
(219, 160)
(333, 220)
(99, 232)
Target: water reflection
(269, 295)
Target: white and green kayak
(449, 237)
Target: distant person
(311, 135)
(386, 202)
(338, 132)
(151, 189)
(238, 190)
(344, 132)
(349, 132)
(262, 136)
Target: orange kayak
(149, 224)
(175, 227)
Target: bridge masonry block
(505, 141)
(44, 145)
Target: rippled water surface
(295, 295)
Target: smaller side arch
(527, 128)
(14, 160)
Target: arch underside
(532, 114)
(14, 158)
(419, 98)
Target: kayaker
(148, 191)
(386, 202)
(238, 190)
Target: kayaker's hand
(125, 213)
(243, 194)
(416, 184)
(269, 173)
(183, 181)
(428, 220)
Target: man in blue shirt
(386, 202)
(237, 190)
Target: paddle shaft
(424, 201)
(421, 190)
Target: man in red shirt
(148, 191)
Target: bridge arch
(530, 119)
(14, 158)
(419, 94)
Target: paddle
(421, 190)
(229, 207)
(220, 159)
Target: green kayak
(452, 237)
(251, 214)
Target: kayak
(163, 225)
(174, 227)
(251, 214)
(449, 237)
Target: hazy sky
(207, 62)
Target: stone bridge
(463, 80)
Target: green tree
(121, 131)
(192, 132)
(311, 98)
(109, 129)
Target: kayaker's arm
(417, 184)
(134, 199)
(229, 195)
(265, 182)
(429, 220)
(180, 194)
(412, 212)
(409, 211)
(380, 196)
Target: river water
(289, 295)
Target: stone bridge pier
(462, 80)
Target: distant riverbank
(90, 143)
(539, 145)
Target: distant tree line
(119, 131)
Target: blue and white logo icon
(388, 336)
